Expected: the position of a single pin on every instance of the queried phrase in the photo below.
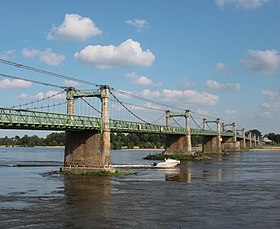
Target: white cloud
(29, 53)
(123, 94)
(144, 107)
(55, 95)
(230, 112)
(202, 112)
(138, 23)
(258, 61)
(17, 83)
(70, 83)
(245, 4)
(42, 95)
(182, 97)
(272, 101)
(141, 80)
(128, 53)
(271, 105)
(8, 55)
(213, 84)
(266, 114)
(51, 58)
(38, 96)
(47, 56)
(222, 69)
(233, 86)
(23, 96)
(270, 94)
(185, 84)
(74, 27)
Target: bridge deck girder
(36, 120)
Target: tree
(255, 132)
(277, 139)
(271, 136)
(55, 139)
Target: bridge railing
(201, 132)
(28, 119)
(128, 126)
(21, 118)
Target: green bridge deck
(37, 120)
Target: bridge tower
(88, 150)
(212, 144)
(178, 144)
(243, 140)
(230, 143)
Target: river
(238, 190)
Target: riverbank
(199, 156)
(268, 148)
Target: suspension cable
(158, 119)
(128, 109)
(48, 106)
(140, 106)
(209, 126)
(90, 105)
(38, 100)
(203, 115)
(195, 122)
(46, 72)
(32, 81)
(145, 99)
(176, 122)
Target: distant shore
(32, 146)
(269, 148)
(195, 149)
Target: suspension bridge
(89, 117)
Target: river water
(238, 190)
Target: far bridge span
(88, 138)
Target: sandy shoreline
(269, 148)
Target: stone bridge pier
(252, 142)
(212, 144)
(230, 144)
(88, 150)
(243, 145)
(178, 144)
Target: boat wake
(168, 163)
(132, 166)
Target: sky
(217, 58)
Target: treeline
(118, 140)
(53, 139)
(143, 141)
(275, 138)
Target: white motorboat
(168, 163)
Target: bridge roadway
(37, 120)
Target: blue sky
(218, 58)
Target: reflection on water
(86, 198)
(185, 174)
(239, 190)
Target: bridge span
(87, 143)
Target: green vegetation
(105, 173)
(143, 141)
(275, 138)
(255, 132)
(184, 157)
(53, 139)
(119, 141)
